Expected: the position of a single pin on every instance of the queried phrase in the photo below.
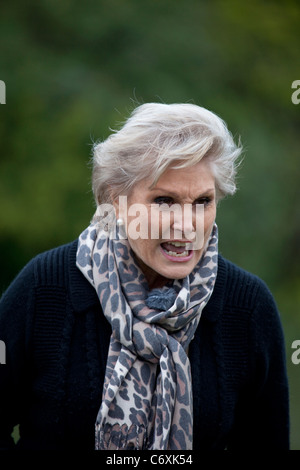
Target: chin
(178, 273)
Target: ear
(113, 198)
(116, 205)
(120, 207)
(119, 203)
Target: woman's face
(168, 226)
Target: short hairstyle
(156, 136)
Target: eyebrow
(206, 192)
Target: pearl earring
(120, 222)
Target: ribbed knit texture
(57, 341)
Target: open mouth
(179, 250)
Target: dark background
(74, 69)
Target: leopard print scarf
(147, 392)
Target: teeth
(180, 244)
(178, 255)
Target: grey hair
(156, 136)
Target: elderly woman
(139, 332)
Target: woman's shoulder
(47, 267)
(51, 277)
(52, 266)
(242, 304)
(239, 294)
(241, 286)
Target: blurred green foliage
(74, 69)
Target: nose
(184, 223)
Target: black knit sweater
(57, 340)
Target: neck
(153, 278)
(157, 282)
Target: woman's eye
(163, 200)
(169, 201)
(204, 200)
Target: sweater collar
(84, 296)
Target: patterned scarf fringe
(116, 437)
